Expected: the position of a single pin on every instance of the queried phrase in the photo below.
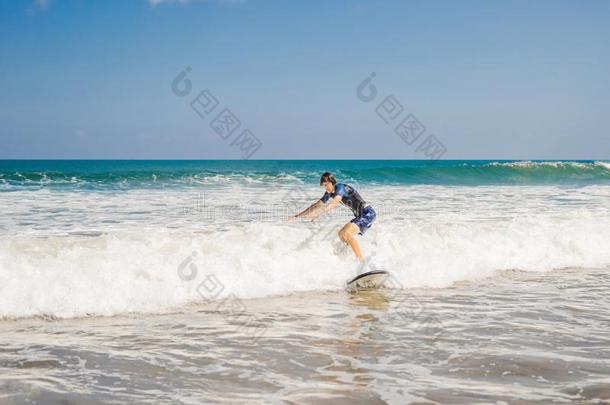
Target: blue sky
(489, 79)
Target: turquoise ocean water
(109, 174)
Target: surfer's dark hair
(328, 176)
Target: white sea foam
(67, 254)
(533, 164)
(524, 164)
(603, 164)
(78, 254)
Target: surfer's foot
(364, 265)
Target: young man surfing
(336, 193)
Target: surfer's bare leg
(347, 234)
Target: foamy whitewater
(152, 282)
(107, 238)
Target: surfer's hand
(292, 218)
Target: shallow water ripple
(515, 338)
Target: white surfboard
(370, 279)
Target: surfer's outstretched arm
(313, 207)
(329, 207)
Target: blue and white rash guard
(349, 198)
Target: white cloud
(38, 5)
(157, 2)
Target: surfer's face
(328, 186)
